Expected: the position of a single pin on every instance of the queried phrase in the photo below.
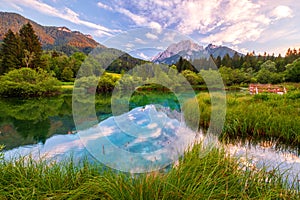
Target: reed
(258, 116)
(200, 174)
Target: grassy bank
(211, 175)
(254, 116)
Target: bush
(26, 82)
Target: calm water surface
(45, 127)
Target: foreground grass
(253, 116)
(200, 174)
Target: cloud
(281, 12)
(143, 56)
(138, 19)
(151, 36)
(66, 14)
(140, 41)
(129, 46)
(218, 21)
(104, 6)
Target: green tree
(226, 61)
(293, 71)
(67, 74)
(31, 43)
(192, 77)
(77, 59)
(236, 61)
(269, 65)
(10, 52)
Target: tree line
(245, 69)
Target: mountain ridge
(49, 36)
(189, 51)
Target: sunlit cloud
(218, 21)
(282, 12)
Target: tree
(269, 65)
(67, 74)
(218, 61)
(10, 52)
(227, 61)
(268, 74)
(28, 57)
(192, 77)
(293, 71)
(236, 61)
(31, 43)
(183, 64)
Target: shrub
(26, 82)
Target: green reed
(200, 174)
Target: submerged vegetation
(200, 174)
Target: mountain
(189, 51)
(186, 49)
(51, 37)
(220, 51)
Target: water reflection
(161, 139)
(33, 121)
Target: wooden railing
(269, 88)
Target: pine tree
(31, 43)
(11, 52)
(227, 61)
(218, 61)
(236, 61)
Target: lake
(44, 127)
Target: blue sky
(245, 25)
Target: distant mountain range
(51, 37)
(189, 51)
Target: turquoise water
(148, 137)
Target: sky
(270, 26)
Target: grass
(114, 75)
(254, 116)
(200, 174)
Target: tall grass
(257, 116)
(210, 175)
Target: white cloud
(169, 37)
(66, 14)
(221, 21)
(139, 20)
(129, 46)
(140, 41)
(282, 12)
(143, 56)
(104, 6)
(151, 36)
